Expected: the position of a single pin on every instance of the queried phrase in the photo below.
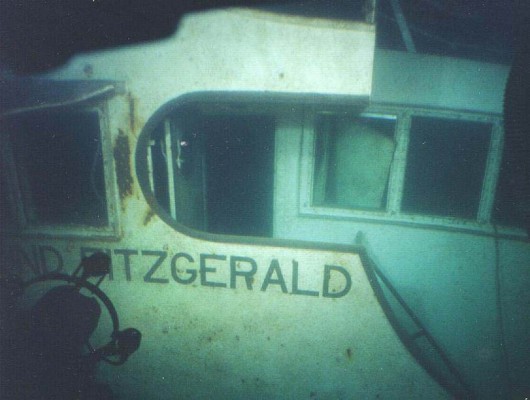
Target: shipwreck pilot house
(295, 204)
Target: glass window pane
(445, 167)
(60, 167)
(352, 161)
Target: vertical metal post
(403, 27)
(150, 165)
(170, 168)
(369, 11)
(491, 174)
(397, 170)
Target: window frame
(392, 212)
(391, 215)
(168, 132)
(17, 204)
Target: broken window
(213, 170)
(210, 165)
(446, 164)
(58, 161)
(508, 209)
(352, 161)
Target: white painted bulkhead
(280, 332)
(447, 270)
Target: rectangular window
(445, 169)
(58, 157)
(352, 161)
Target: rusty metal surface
(122, 158)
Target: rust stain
(122, 157)
(132, 112)
(135, 123)
(148, 216)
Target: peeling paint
(122, 156)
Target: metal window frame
(392, 213)
(111, 229)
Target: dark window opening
(445, 167)
(239, 158)
(214, 172)
(507, 209)
(59, 161)
(159, 173)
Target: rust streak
(135, 122)
(132, 110)
(122, 156)
(148, 216)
